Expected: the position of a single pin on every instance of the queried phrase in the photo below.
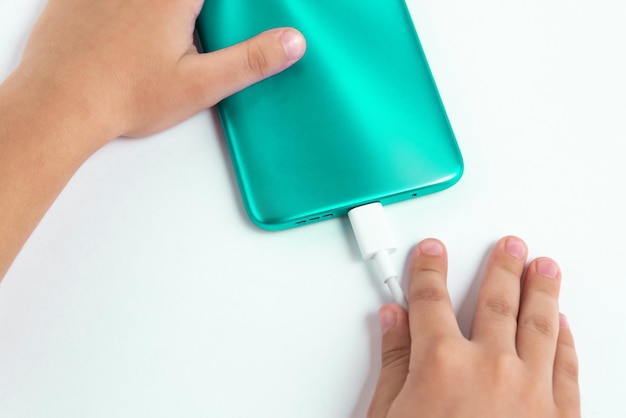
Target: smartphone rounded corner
(262, 222)
(458, 173)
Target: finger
(430, 311)
(538, 320)
(396, 350)
(495, 321)
(565, 378)
(219, 74)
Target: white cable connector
(375, 240)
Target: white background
(146, 292)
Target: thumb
(224, 72)
(396, 351)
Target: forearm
(45, 136)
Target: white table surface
(146, 292)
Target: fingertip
(547, 267)
(387, 318)
(515, 247)
(294, 44)
(390, 315)
(430, 247)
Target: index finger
(430, 310)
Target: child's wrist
(80, 121)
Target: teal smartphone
(357, 120)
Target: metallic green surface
(357, 120)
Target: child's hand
(95, 70)
(134, 65)
(519, 362)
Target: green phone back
(357, 120)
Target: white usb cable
(376, 241)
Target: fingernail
(294, 44)
(515, 247)
(547, 267)
(388, 319)
(563, 321)
(431, 247)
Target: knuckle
(428, 294)
(500, 306)
(443, 354)
(426, 267)
(444, 349)
(567, 341)
(505, 366)
(546, 287)
(509, 266)
(256, 65)
(393, 356)
(569, 369)
(540, 325)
